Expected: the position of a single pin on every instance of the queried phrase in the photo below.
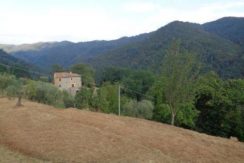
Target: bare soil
(70, 135)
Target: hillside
(230, 28)
(217, 53)
(65, 53)
(14, 65)
(72, 135)
(9, 156)
(218, 44)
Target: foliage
(11, 87)
(44, 93)
(135, 83)
(69, 100)
(103, 99)
(138, 84)
(83, 98)
(221, 106)
(141, 109)
(218, 54)
(108, 98)
(229, 28)
(180, 70)
(17, 67)
(186, 116)
(6, 80)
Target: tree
(16, 89)
(138, 81)
(5, 81)
(221, 105)
(180, 71)
(83, 98)
(68, 100)
(44, 93)
(140, 109)
(108, 98)
(133, 80)
(186, 115)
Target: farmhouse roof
(65, 75)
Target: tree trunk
(172, 118)
(19, 101)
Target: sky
(30, 21)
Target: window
(71, 78)
(73, 85)
(59, 79)
(59, 85)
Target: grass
(9, 156)
(71, 135)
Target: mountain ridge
(221, 53)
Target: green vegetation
(179, 72)
(38, 91)
(229, 28)
(221, 106)
(13, 65)
(43, 92)
(141, 109)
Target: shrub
(141, 109)
(44, 93)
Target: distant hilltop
(219, 44)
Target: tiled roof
(65, 75)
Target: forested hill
(231, 28)
(66, 53)
(15, 66)
(217, 53)
(219, 44)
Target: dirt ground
(71, 135)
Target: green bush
(141, 109)
(69, 100)
(6, 80)
(44, 93)
(83, 98)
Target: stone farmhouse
(68, 81)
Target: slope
(230, 28)
(14, 65)
(218, 44)
(72, 135)
(217, 53)
(8, 156)
(65, 53)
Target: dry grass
(72, 135)
(8, 156)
